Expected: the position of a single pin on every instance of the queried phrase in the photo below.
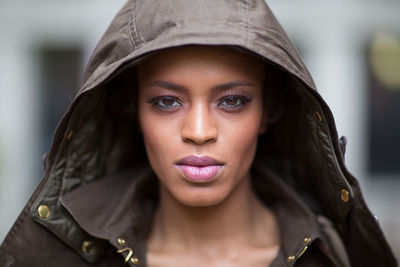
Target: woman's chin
(201, 197)
(200, 202)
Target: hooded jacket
(95, 203)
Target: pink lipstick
(199, 168)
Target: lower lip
(196, 173)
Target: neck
(238, 219)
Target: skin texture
(205, 101)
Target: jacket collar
(298, 223)
(119, 208)
(115, 207)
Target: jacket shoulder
(30, 244)
(335, 244)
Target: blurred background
(352, 49)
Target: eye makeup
(234, 102)
(166, 102)
(230, 100)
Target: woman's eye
(233, 101)
(166, 102)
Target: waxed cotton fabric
(98, 136)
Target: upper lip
(199, 161)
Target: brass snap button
(135, 260)
(43, 211)
(345, 195)
(121, 241)
(307, 239)
(291, 258)
(87, 246)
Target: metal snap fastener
(87, 246)
(291, 258)
(307, 239)
(135, 260)
(43, 211)
(345, 195)
(121, 241)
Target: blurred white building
(334, 37)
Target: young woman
(197, 138)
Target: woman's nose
(199, 126)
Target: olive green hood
(96, 137)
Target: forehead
(202, 59)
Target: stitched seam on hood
(248, 27)
(130, 31)
(133, 33)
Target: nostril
(199, 140)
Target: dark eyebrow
(232, 84)
(167, 85)
(224, 86)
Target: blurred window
(60, 75)
(384, 105)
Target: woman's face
(200, 112)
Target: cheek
(241, 140)
(242, 134)
(159, 138)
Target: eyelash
(244, 100)
(156, 100)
